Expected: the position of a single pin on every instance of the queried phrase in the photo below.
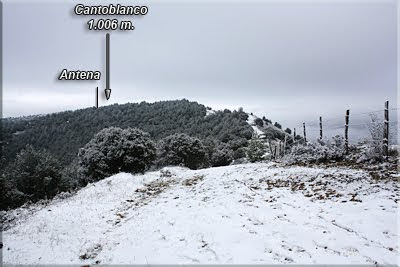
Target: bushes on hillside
(32, 176)
(277, 125)
(222, 156)
(64, 133)
(114, 150)
(181, 149)
(256, 150)
(259, 122)
(219, 154)
(273, 133)
(10, 197)
(317, 152)
(70, 177)
(288, 131)
(374, 151)
(267, 121)
(35, 174)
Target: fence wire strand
(313, 126)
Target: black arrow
(107, 91)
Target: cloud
(34, 101)
(290, 60)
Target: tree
(63, 135)
(10, 197)
(298, 137)
(272, 132)
(288, 131)
(256, 150)
(222, 155)
(267, 121)
(34, 173)
(277, 125)
(70, 178)
(115, 150)
(259, 122)
(181, 149)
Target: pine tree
(256, 150)
(35, 174)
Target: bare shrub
(374, 149)
(318, 152)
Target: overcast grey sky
(288, 60)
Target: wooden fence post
(270, 148)
(294, 135)
(279, 149)
(386, 132)
(346, 131)
(304, 132)
(320, 128)
(284, 146)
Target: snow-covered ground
(251, 121)
(252, 213)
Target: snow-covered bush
(221, 156)
(317, 152)
(32, 176)
(238, 147)
(337, 144)
(115, 150)
(277, 125)
(256, 150)
(181, 149)
(219, 153)
(239, 153)
(70, 177)
(259, 122)
(271, 132)
(10, 197)
(374, 148)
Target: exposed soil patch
(193, 181)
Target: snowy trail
(252, 213)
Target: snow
(252, 213)
(250, 121)
(210, 112)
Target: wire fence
(341, 118)
(368, 127)
(358, 126)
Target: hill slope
(253, 213)
(65, 132)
